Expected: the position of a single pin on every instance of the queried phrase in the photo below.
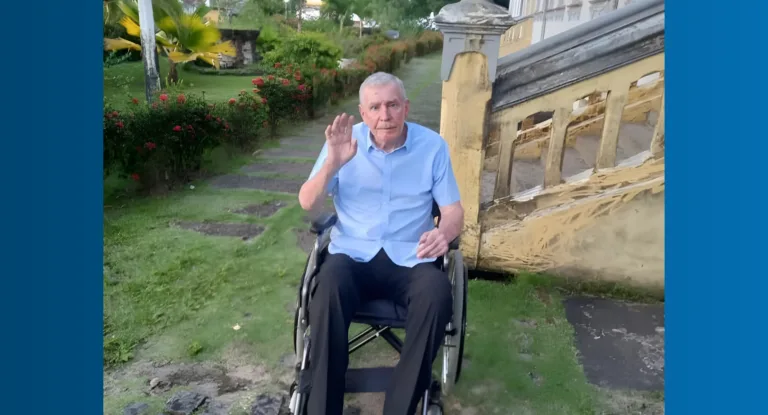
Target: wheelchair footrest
(368, 380)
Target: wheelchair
(381, 316)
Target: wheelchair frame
(375, 379)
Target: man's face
(384, 110)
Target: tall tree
(149, 57)
(182, 37)
(229, 8)
(341, 10)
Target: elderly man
(384, 174)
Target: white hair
(381, 79)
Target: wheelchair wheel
(297, 405)
(298, 328)
(434, 410)
(453, 348)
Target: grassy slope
(175, 291)
(215, 88)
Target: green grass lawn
(179, 294)
(215, 88)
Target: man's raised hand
(341, 146)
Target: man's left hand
(432, 244)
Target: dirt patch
(631, 402)
(543, 295)
(230, 384)
(525, 323)
(365, 404)
(291, 152)
(235, 181)
(262, 210)
(243, 231)
(293, 169)
(326, 208)
(305, 240)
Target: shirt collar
(408, 139)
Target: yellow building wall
(519, 36)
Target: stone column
(472, 32)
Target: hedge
(164, 143)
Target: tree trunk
(341, 22)
(151, 75)
(361, 27)
(298, 25)
(157, 68)
(173, 74)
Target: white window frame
(516, 7)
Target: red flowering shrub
(282, 97)
(165, 142)
(242, 118)
(160, 144)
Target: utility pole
(148, 48)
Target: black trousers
(342, 286)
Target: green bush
(320, 25)
(268, 40)
(253, 69)
(165, 143)
(306, 49)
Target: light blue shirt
(384, 200)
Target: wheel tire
(463, 326)
(298, 306)
(434, 410)
(291, 397)
(453, 350)
(298, 347)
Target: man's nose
(385, 115)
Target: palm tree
(182, 37)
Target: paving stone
(621, 344)
(271, 184)
(307, 142)
(292, 169)
(291, 152)
(244, 231)
(215, 407)
(262, 210)
(184, 403)
(267, 404)
(138, 408)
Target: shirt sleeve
(445, 190)
(333, 184)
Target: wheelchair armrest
(322, 222)
(454, 244)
